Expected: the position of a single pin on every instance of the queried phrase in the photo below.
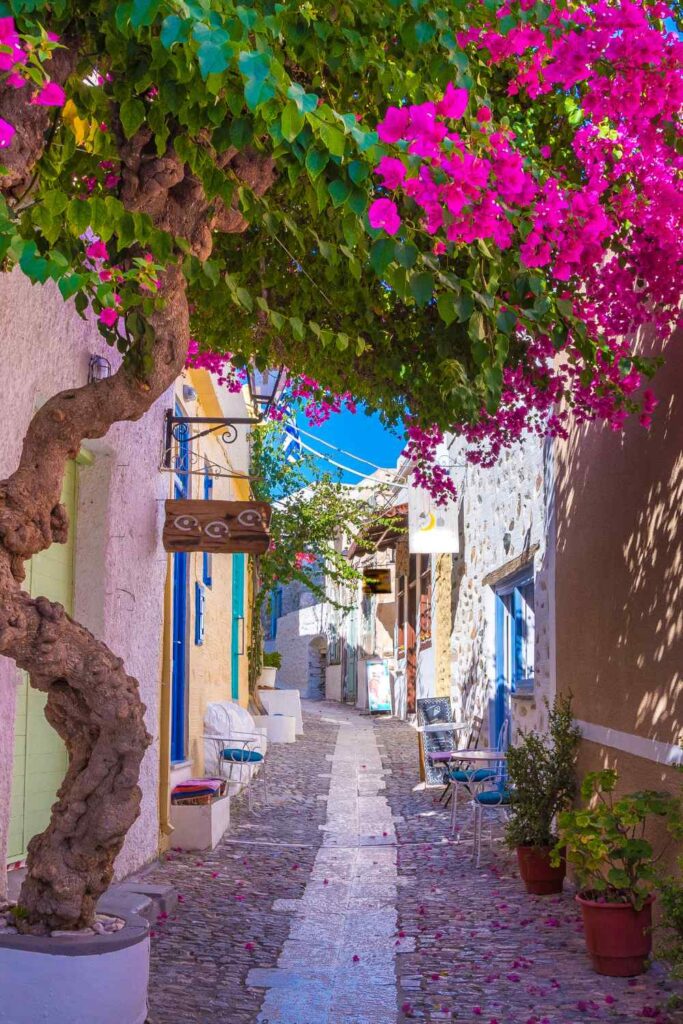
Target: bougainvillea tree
(455, 212)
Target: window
(401, 618)
(424, 569)
(515, 636)
(207, 567)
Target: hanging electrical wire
(341, 451)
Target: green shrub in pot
(616, 869)
(542, 781)
(272, 659)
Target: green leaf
(257, 92)
(342, 342)
(424, 32)
(506, 320)
(78, 216)
(306, 102)
(214, 58)
(144, 12)
(69, 285)
(476, 328)
(339, 190)
(174, 30)
(446, 305)
(253, 64)
(292, 121)
(316, 162)
(132, 114)
(333, 139)
(358, 171)
(241, 132)
(405, 254)
(422, 287)
(381, 255)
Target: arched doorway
(317, 663)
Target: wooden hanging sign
(217, 526)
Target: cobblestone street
(346, 902)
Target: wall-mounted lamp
(189, 393)
(265, 387)
(99, 368)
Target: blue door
(179, 632)
(237, 632)
(514, 648)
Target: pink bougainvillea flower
(392, 171)
(108, 316)
(249, 946)
(51, 95)
(394, 125)
(356, 958)
(97, 251)
(484, 115)
(454, 102)
(7, 133)
(383, 213)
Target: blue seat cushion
(241, 756)
(478, 775)
(493, 797)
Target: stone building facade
(506, 535)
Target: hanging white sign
(432, 528)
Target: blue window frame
(237, 630)
(199, 601)
(207, 566)
(514, 646)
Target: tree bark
(91, 701)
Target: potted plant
(272, 661)
(616, 870)
(542, 782)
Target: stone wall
(505, 512)
(296, 629)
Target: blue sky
(356, 433)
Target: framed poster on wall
(379, 685)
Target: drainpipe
(165, 827)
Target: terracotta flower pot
(618, 938)
(538, 874)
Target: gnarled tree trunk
(91, 701)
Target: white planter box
(267, 677)
(92, 980)
(200, 826)
(284, 702)
(279, 728)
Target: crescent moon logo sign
(430, 524)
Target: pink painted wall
(120, 562)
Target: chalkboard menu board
(430, 711)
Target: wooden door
(40, 757)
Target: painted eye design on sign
(250, 517)
(217, 528)
(185, 523)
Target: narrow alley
(345, 901)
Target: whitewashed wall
(120, 563)
(515, 499)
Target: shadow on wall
(317, 663)
(619, 577)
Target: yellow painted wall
(209, 676)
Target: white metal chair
(238, 751)
(493, 802)
(233, 747)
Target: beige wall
(619, 580)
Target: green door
(40, 757)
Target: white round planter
(101, 979)
(267, 677)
